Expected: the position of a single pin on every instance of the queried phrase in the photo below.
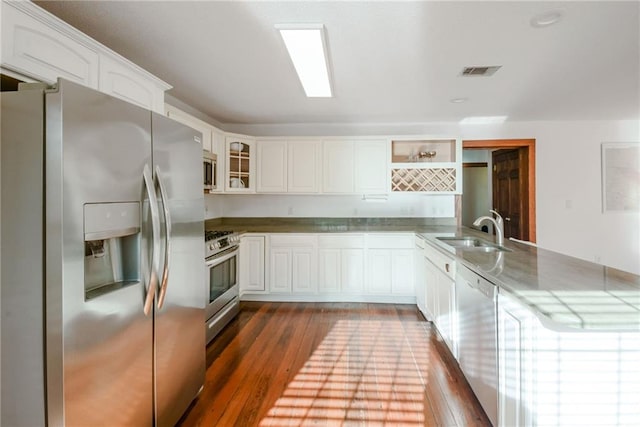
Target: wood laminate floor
(293, 364)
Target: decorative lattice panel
(436, 179)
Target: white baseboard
(382, 299)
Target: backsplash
(310, 206)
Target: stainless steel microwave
(210, 171)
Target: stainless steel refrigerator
(102, 270)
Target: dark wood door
(510, 191)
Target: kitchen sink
(472, 243)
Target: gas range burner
(213, 234)
(219, 241)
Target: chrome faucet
(497, 222)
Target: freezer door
(22, 297)
(179, 315)
(99, 341)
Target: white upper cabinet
(240, 169)
(37, 46)
(288, 166)
(355, 167)
(338, 167)
(371, 164)
(303, 171)
(272, 166)
(41, 50)
(119, 80)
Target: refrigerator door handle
(167, 242)
(155, 227)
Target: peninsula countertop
(563, 291)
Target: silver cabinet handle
(155, 228)
(167, 242)
(507, 219)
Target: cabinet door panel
(371, 165)
(272, 166)
(34, 49)
(431, 284)
(509, 366)
(329, 270)
(280, 270)
(445, 320)
(122, 82)
(252, 264)
(303, 271)
(338, 169)
(402, 272)
(379, 271)
(240, 165)
(303, 167)
(352, 274)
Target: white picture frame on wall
(621, 177)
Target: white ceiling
(391, 62)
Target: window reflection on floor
(363, 372)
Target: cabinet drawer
(390, 241)
(341, 242)
(440, 260)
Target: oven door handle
(155, 229)
(220, 259)
(167, 241)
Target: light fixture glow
(458, 100)
(547, 18)
(306, 47)
(482, 120)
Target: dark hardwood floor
(292, 364)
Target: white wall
(265, 205)
(568, 178)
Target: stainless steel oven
(222, 283)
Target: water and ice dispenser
(111, 247)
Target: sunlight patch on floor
(363, 372)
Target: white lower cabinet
(252, 264)
(379, 271)
(280, 270)
(441, 284)
(402, 278)
(293, 264)
(390, 269)
(303, 270)
(330, 267)
(341, 264)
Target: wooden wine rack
(429, 179)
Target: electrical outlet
(568, 203)
(290, 210)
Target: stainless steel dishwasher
(477, 338)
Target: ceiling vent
(485, 71)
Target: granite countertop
(332, 225)
(563, 291)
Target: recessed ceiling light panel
(307, 49)
(547, 18)
(483, 120)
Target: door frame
(531, 162)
